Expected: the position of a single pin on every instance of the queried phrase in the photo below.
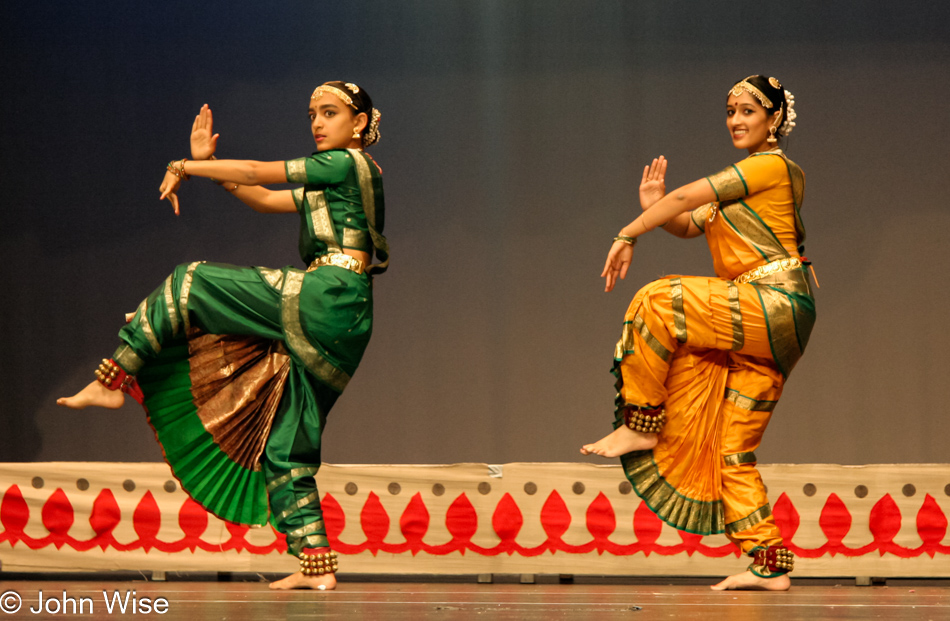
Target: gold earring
(356, 133)
(772, 139)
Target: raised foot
(94, 394)
(622, 441)
(748, 581)
(326, 582)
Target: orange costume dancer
(702, 361)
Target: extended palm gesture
(203, 141)
(653, 184)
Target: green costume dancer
(238, 367)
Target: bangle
(630, 241)
(170, 167)
(181, 169)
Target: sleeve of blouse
(701, 214)
(320, 169)
(751, 175)
(298, 195)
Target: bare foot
(94, 394)
(326, 582)
(622, 441)
(748, 581)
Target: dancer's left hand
(618, 261)
(169, 188)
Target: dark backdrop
(514, 133)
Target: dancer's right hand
(203, 142)
(618, 261)
(653, 184)
(168, 188)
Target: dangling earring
(356, 133)
(772, 139)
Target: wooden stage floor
(239, 601)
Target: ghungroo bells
(644, 420)
(109, 374)
(319, 564)
(772, 561)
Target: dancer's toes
(748, 581)
(326, 582)
(623, 440)
(93, 394)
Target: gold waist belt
(782, 265)
(338, 259)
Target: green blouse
(340, 203)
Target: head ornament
(745, 85)
(326, 88)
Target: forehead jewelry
(325, 88)
(744, 85)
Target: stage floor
(238, 601)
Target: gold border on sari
(703, 211)
(142, 312)
(295, 473)
(185, 292)
(780, 322)
(703, 517)
(273, 277)
(313, 541)
(738, 335)
(747, 224)
(737, 459)
(652, 342)
(307, 529)
(297, 341)
(365, 178)
(320, 222)
(130, 361)
(355, 238)
(728, 184)
(171, 306)
(298, 195)
(679, 315)
(750, 520)
(748, 403)
(296, 170)
(300, 504)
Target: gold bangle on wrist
(181, 169)
(626, 239)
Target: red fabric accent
(835, 522)
(786, 517)
(147, 521)
(14, 515)
(932, 527)
(601, 522)
(555, 517)
(461, 520)
(647, 527)
(193, 521)
(414, 523)
(375, 523)
(57, 516)
(507, 522)
(104, 518)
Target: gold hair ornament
(325, 88)
(744, 85)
